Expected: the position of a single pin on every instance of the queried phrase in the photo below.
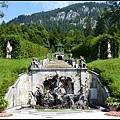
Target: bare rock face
(58, 64)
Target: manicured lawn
(109, 71)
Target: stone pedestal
(83, 75)
(112, 108)
(83, 82)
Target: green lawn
(109, 71)
(9, 66)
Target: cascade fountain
(58, 92)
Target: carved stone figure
(70, 55)
(58, 92)
(34, 63)
(8, 50)
(38, 97)
(83, 62)
(29, 98)
(109, 51)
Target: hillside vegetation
(9, 70)
(108, 70)
(70, 17)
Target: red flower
(5, 114)
(113, 113)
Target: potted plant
(3, 104)
(113, 103)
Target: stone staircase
(58, 64)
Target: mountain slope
(75, 15)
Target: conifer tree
(100, 26)
(88, 29)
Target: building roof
(59, 44)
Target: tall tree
(25, 29)
(14, 29)
(100, 26)
(112, 14)
(3, 5)
(88, 29)
(54, 37)
(79, 37)
(69, 40)
(41, 31)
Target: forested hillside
(71, 17)
(89, 41)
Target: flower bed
(4, 114)
(113, 113)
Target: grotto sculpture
(59, 93)
(38, 96)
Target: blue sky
(16, 8)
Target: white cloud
(51, 5)
(27, 14)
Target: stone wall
(98, 92)
(18, 93)
(26, 82)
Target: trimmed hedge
(20, 48)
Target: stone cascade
(58, 84)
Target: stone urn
(2, 110)
(113, 103)
(112, 107)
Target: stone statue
(46, 55)
(109, 51)
(29, 98)
(34, 63)
(83, 62)
(70, 55)
(57, 92)
(8, 50)
(38, 96)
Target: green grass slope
(9, 70)
(109, 71)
